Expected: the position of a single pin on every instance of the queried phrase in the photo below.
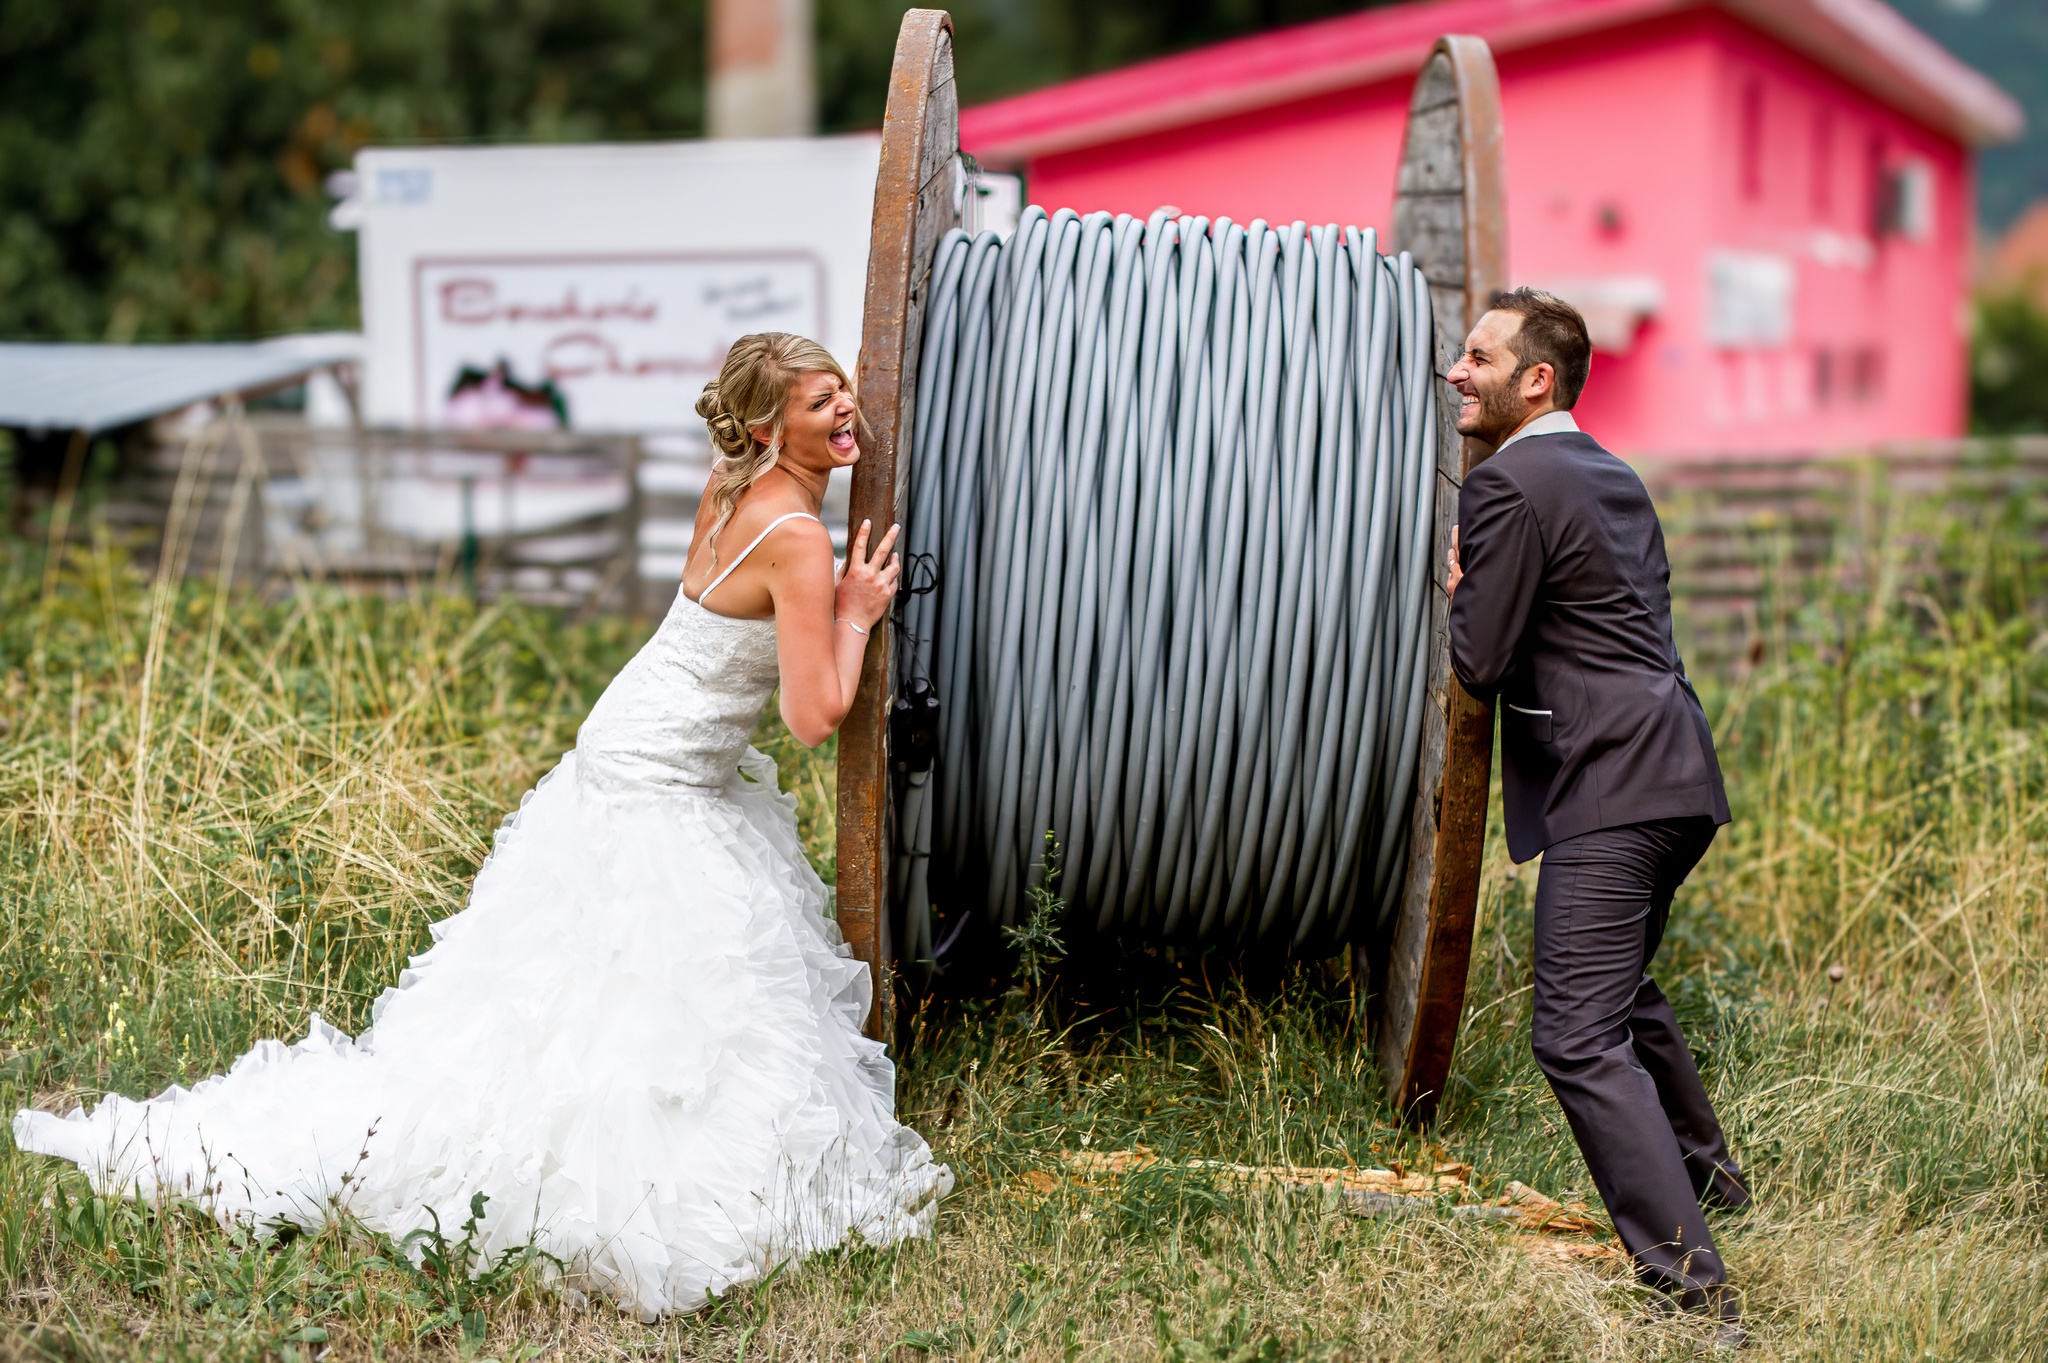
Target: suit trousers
(1606, 1038)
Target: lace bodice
(682, 711)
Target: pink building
(1764, 207)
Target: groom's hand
(1457, 572)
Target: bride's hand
(867, 585)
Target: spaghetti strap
(790, 516)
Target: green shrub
(2009, 366)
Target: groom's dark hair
(1552, 333)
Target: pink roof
(1864, 41)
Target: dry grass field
(221, 813)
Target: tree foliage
(2008, 362)
(162, 164)
(162, 161)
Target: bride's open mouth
(841, 439)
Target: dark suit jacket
(1564, 613)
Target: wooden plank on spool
(916, 203)
(1450, 214)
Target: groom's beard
(1501, 411)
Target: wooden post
(635, 519)
(1449, 211)
(915, 206)
(762, 78)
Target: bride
(641, 1040)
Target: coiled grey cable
(1170, 520)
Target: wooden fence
(550, 517)
(1742, 533)
(563, 519)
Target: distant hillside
(2008, 41)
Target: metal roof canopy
(95, 388)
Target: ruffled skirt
(641, 1041)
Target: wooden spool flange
(1448, 213)
(917, 201)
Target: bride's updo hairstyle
(752, 389)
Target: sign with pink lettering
(598, 342)
(595, 286)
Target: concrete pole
(763, 78)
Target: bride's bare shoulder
(764, 504)
(772, 507)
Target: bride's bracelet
(850, 625)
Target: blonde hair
(752, 389)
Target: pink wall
(1637, 152)
(1323, 160)
(1606, 142)
(1880, 348)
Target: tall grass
(218, 814)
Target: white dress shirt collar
(1550, 423)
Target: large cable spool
(1448, 216)
(1168, 533)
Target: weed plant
(220, 813)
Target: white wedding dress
(641, 1039)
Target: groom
(1561, 607)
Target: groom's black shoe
(1721, 1189)
(1721, 1304)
